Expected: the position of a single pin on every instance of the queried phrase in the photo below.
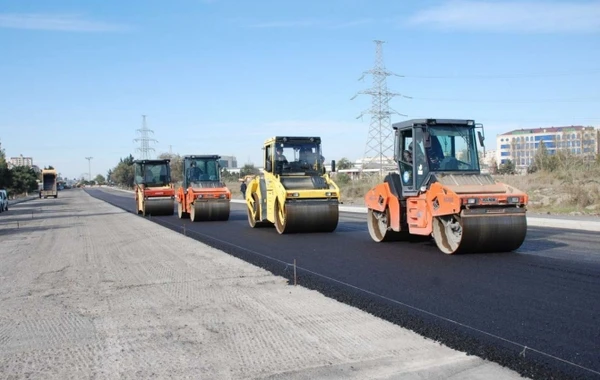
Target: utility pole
(145, 140)
(380, 142)
(89, 167)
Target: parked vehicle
(3, 200)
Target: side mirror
(481, 138)
(332, 166)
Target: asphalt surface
(535, 310)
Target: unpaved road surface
(88, 291)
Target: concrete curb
(20, 200)
(570, 224)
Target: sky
(221, 76)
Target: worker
(407, 154)
(243, 188)
(194, 172)
(279, 154)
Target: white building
(520, 145)
(22, 161)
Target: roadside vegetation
(17, 181)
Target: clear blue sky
(220, 76)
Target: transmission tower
(145, 140)
(379, 149)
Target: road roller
(154, 192)
(294, 191)
(440, 191)
(202, 196)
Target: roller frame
(211, 210)
(306, 216)
(482, 230)
(158, 206)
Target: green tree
(122, 174)
(344, 163)
(228, 176)
(507, 168)
(5, 173)
(49, 167)
(249, 169)
(100, 180)
(23, 180)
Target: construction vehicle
(441, 192)
(202, 196)
(154, 192)
(296, 195)
(49, 183)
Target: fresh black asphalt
(535, 310)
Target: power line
(515, 101)
(507, 76)
(380, 143)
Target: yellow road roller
(440, 191)
(154, 192)
(294, 191)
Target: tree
(540, 160)
(507, 168)
(344, 163)
(122, 174)
(249, 169)
(23, 180)
(493, 166)
(49, 167)
(228, 176)
(100, 180)
(5, 173)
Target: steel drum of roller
(210, 211)
(307, 216)
(480, 231)
(158, 206)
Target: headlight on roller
(513, 199)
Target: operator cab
(152, 173)
(300, 156)
(201, 171)
(426, 147)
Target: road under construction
(152, 295)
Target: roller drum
(307, 216)
(158, 206)
(210, 211)
(481, 231)
(378, 224)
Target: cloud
(57, 22)
(512, 16)
(308, 23)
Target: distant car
(3, 200)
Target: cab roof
(413, 122)
(292, 139)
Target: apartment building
(22, 161)
(520, 145)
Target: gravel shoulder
(90, 291)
